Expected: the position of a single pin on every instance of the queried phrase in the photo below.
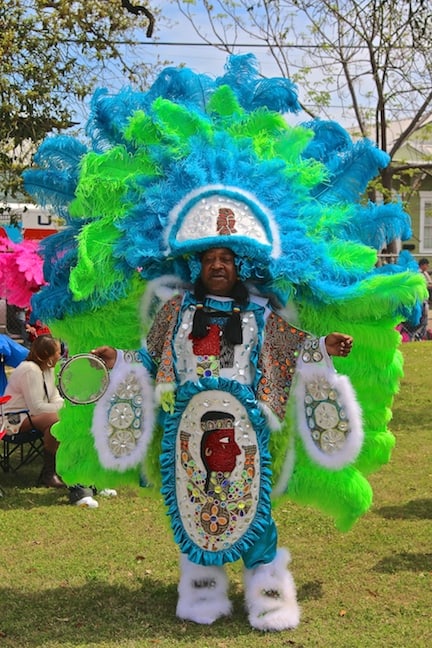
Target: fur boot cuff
(203, 593)
(271, 595)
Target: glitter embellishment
(217, 502)
(195, 359)
(125, 417)
(132, 356)
(226, 221)
(279, 355)
(326, 417)
(203, 219)
(311, 351)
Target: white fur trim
(270, 595)
(281, 485)
(112, 453)
(289, 312)
(157, 292)
(272, 419)
(309, 378)
(163, 388)
(202, 593)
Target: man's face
(221, 450)
(218, 271)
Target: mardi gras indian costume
(197, 163)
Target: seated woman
(32, 387)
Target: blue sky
(196, 54)
(199, 57)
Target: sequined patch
(326, 418)
(216, 507)
(132, 356)
(311, 351)
(203, 219)
(190, 366)
(207, 366)
(280, 351)
(125, 417)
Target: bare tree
(369, 62)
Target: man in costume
(170, 175)
(218, 340)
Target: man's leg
(203, 592)
(270, 592)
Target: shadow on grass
(420, 509)
(405, 562)
(98, 613)
(310, 591)
(29, 498)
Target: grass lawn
(107, 577)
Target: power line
(219, 45)
(253, 45)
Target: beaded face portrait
(218, 469)
(219, 449)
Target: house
(416, 150)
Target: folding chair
(17, 449)
(21, 450)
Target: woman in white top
(32, 387)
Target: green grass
(107, 577)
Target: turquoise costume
(195, 163)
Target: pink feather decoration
(21, 271)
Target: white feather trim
(272, 419)
(281, 485)
(123, 418)
(163, 388)
(157, 292)
(270, 595)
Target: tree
(52, 53)
(372, 58)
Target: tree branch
(416, 166)
(137, 9)
(414, 125)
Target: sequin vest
(215, 455)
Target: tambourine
(83, 379)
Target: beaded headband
(217, 424)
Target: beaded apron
(218, 511)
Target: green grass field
(107, 578)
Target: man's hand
(107, 354)
(338, 344)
